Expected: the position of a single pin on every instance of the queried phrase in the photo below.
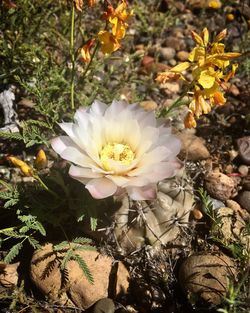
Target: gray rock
(166, 53)
(244, 149)
(105, 305)
(244, 200)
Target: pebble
(244, 149)
(219, 185)
(229, 169)
(243, 170)
(246, 183)
(170, 88)
(205, 277)
(232, 154)
(46, 274)
(148, 105)
(193, 147)
(237, 209)
(166, 53)
(176, 43)
(103, 305)
(172, 62)
(182, 56)
(244, 200)
(197, 214)
(234, 90)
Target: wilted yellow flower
(85, 51)
(91, 3)
(117, 18)
(41, 160)
(208, 62)
(108, 42)
(24, 167)
(79, 4)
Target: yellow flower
(117, 18)
(118, 28)
(24, 167)
(85, 51)
(41, 160)
(108, 42)
(120, 12)
(208, 62)
(214, 4)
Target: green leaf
(33, 242)
(82, 240)
(68, 256)
(40, 228)
(93, 223)
(84, 267)
(61, 246)
(14, 251)
(11, 136)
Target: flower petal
(76, 172)
(101, 188)
(59, 144)
(143, 193)
(98, 108)
(76, 156)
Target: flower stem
(178, 102)
(72, 55)
(44, 186)
(165, 111)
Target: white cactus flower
(118, 148)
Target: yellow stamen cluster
(208, 62)
(117, 152)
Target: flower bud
(41, 160)
(24, 167)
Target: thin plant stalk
(177, 103)
(45, 187)
(72, 55)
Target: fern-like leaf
(82, 240)
(14, 251)
(40, 228)
(68, 256)
(82, 264)
(61, 246)
(33, 242)
(93, 223)
(11, 136)
(84, 248)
